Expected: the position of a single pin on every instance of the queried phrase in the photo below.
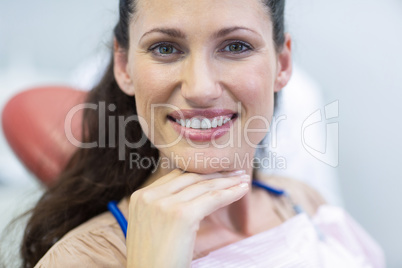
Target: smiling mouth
(204, 123)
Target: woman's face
(211, 60)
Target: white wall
(351, 48)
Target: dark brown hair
(95, 176)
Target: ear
(120, 69)
(284, 70)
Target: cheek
(254, 88)
(152, 85)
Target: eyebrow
(176, 33)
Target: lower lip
(203, 134)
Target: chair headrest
(34, 126)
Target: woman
(197, 79)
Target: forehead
(202, 14)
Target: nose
(200, 86)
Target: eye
(163, 49)
(237, 47)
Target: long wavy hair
(94, 176)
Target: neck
(235, 217)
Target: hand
(164, 217)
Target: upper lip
(203, 113)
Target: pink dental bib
(297, 243)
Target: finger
(211, 201)
(168, 177)
(151, 192)
(177, 184)
(176, 181)
(195, 190)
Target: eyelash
(158, 45)
(152, 49)
(244, 44)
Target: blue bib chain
(112, 206)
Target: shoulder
(301, 193)
(98, 242)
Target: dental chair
(34, 126)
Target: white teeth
(220, 121)
(204, 123)
(214, 123)
(195, 123)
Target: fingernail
(245, 177)
(237, 172)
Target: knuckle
(162, 206)
(144, 196)
(207, 184)
(216, 193)
(133, 195)
(178, 211)
(182, 212)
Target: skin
(181, 208)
